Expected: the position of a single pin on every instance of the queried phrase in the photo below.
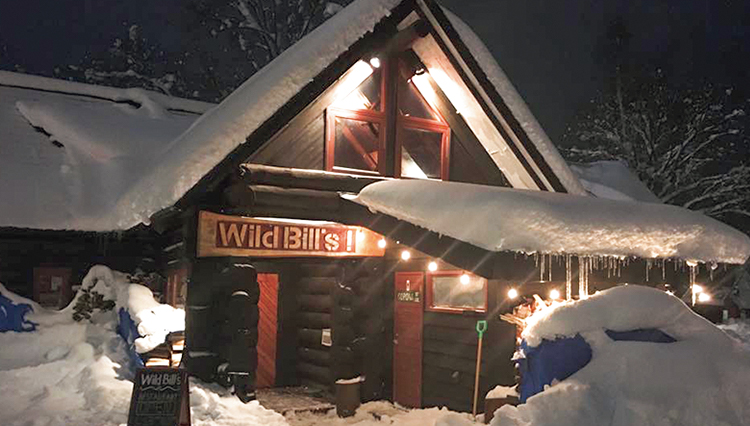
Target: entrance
(268, 307)
(407, 330)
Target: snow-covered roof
(504, 219)
(613, 180)
(216, 134)
(102, 137)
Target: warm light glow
(375, 62)
(512, 293)
(697, 288)
(432, 266)
(405, 255)
(554, 294)
(670, 292)
(704, 297)
(360, 235)
(464, 279)
(381, 243)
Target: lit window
(456, 291)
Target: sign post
(160, 398)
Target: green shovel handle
(481, 327)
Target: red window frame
(429, 296)
(379, 116)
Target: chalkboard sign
(160, 398)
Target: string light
(512, 293)
(405, 255)
(432, 267)
(554, 294)
(381, 243)
(464, 279)
(375, 62)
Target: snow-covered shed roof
(70, 150)
(220, 137)
(613, 180)
(505, 219)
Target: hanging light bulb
(381, 243)
(554, 294)
(375, 62)
(464, 279)
(432, 266)
(512, 293)
(405, 255)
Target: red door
(407, 347)
(267, 327)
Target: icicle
(648, 268)
(568, 278)
(542, 265)
(664, 270)
(549, 270)
(583, 281)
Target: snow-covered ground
(79, 373)
(75, 373)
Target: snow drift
(700, 380)
(500, 219)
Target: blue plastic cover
(559, 359)
(129, 332)
(550, 360)
(12, 316)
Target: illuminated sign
(221, 235)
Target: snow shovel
(481, 328)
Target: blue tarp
(559, 359)
(550, 360)
(129, 332)
(12, 316)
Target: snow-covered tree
(226, 41)
(131, 61)
(689, 146)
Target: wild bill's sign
(222, 235)
(160, 398)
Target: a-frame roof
(218, 142)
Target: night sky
(550, 49)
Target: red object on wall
(267, 330)
(175, 293)
(52, 286)
(407, 348)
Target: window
(356, 130)
(456, 291)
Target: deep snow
(700, 380)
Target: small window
(456, 291)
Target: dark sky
(549, 48)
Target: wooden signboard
(221, 235)
(160, 398)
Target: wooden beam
(250, 196)
(257, 174)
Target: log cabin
(280, 193)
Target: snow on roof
(500, 219)
(102, 139)
(613, 180)
(217, 133)
(518, 107)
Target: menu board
(160, 398)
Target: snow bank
(738, 330)
(224, 128)
(700, 380)
(152, 319)
(500, 219)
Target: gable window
(456, 291)
(357, 129)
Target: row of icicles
(613, 266)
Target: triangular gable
(268, 102)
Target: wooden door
(407, 330)
(268, 305)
